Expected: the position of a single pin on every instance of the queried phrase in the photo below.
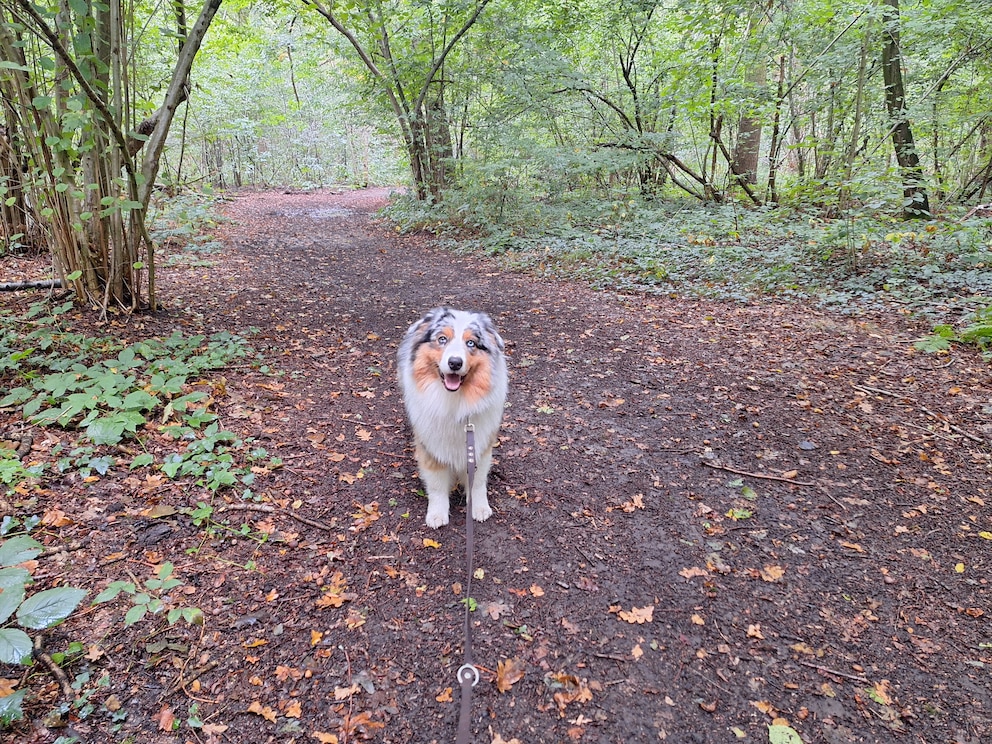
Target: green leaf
(50, 607)
(19, 549)
(113, 589)
(10, 600)
(10, 706)
(74, 275)
(135, 614)
(41, 102)
(779, 734)
(7, 65)
(15, 647)
(142, 461)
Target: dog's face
(455, 349)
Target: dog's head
(456, 348)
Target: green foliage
(151, 598)
(101, 387)
(41, 610)
(863, 261)
(976, 329)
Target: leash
(468, 672)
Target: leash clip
(464, 671)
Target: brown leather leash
(468, 672)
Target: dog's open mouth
(452, 381)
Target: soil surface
(710, 518)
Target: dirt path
(709, 518)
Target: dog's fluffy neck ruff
(439, 407)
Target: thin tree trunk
(915, 200)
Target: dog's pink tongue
(452, 382)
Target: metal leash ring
(468, 669)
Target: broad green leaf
(10, 599)
(10, 706)
(50, 607)
(135, 614)
(19, 549)
(779, 734)
(15, 647)
(142, 460)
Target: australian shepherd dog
(452, 371)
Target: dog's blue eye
(442, 340)
(470, 344)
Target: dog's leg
(438, 482)
(481, 511)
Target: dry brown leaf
(536, 590)
(325, 738)
(496, 610)
(508, 673)
(262, 710)
(445, 696)
(639, 615)
(294, 709)
(772, 573)
(692, 572)
(165, 719)
(7, 687)
(697, 620)
(343, 693)
(637, 652)
(754, 631)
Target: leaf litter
(807, 597)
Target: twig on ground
(763, 476)
(827, 670)
(56, 671)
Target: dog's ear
(490, 328)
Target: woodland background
(572, 130)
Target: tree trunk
(748, 146)
(915, 200)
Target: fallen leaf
(496, 610)
(7, 687)
(536, 590)
(325, 738)
(444, 697)
(697, 620)
(428, 543)
(694, 572)
(254, 643)
(765, 707)
(165, 718)
(497, 739)
(316, 637)
(772, 573)
(637, 652)
(754, 631)
(215, 729)
(509, 672)
(778, 734)
(294, 709)
(262, 710)
(852, 546)
(343, 693)
(364, 434)
(639, 615)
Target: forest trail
(710, 518)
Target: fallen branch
(40, 284)
(763, 476)
(54, 669)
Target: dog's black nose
(455, 363)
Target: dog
(452, 371)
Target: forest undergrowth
(861, 262)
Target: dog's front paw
(437, 518)
(481, 511)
